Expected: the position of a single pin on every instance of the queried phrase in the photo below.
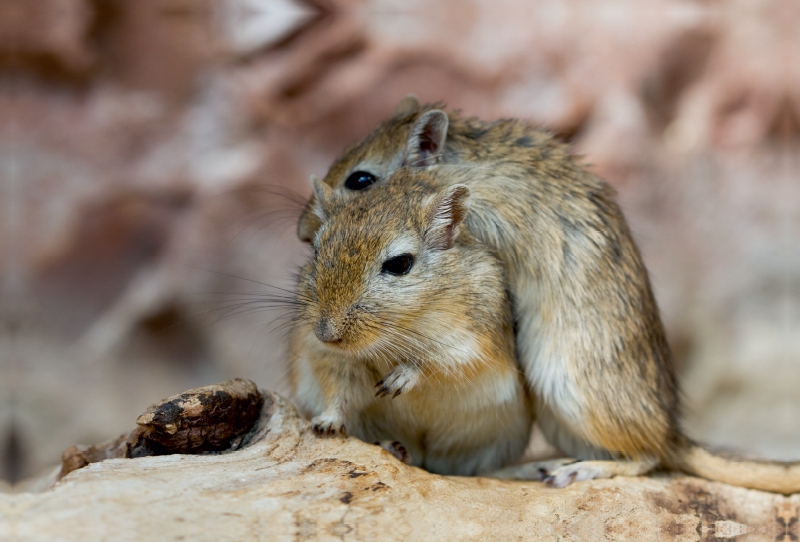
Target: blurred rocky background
(154, 156)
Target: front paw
(400, 379)
(325, 426)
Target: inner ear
(426, 139)
(445, 214)
(320, 198)
(309, 221)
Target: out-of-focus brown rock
(208, 419)
(46, 31)
(287, 484)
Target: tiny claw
(398, 392)
(552, 481)
(397, 450)
(380, 383)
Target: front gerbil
(404, 331)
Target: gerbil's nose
(326, 331)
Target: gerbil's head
(414, 136)
(380, 263)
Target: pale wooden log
(287, 484)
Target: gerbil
(589, 335)
(398, 297)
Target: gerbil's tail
(772, 476)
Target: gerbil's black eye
(359, 180)
(399, 265)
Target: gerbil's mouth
(343, 345)
(343, 334)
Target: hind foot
(590, 470)
(397, 450)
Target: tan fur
(445, 329)
(779, 477)
(589, 335)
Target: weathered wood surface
(288, 484)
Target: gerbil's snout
(326, 331)
(340, 328)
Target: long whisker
(240, 278)
(482, 358)
(426, 337)
(416, 348)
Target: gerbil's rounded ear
(426, 139)
(309, 222)
(445, 214)
(405, 106)
(321, 197)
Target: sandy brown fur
(589, 334)
(449, 421)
